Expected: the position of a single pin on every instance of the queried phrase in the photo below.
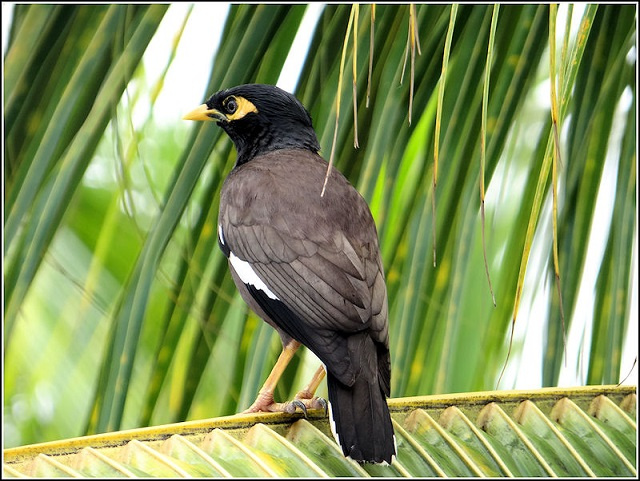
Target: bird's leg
(264, 401)
(303, 400)
(306, 394)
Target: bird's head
(259, 118)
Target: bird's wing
(328, 288)
(317, 276)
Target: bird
(307, 261)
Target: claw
(296, 403)
(312, 403)
(265, 403)
(325, 405)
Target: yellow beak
(205, 113)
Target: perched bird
(307, 262)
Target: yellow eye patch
(237, 107)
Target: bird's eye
(231, 105)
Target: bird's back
(275, 200)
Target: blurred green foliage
(119, 310)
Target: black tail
(360, 420)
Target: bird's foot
(304, 404)
(302, 401)
(309, 401)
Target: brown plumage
(309, 265)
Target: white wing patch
(244, 270)
(220, 235)
(248, 275)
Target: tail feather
(360, 420)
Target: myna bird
(306, 263)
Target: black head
(259, 118)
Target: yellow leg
(310, 389)
(264, 401)
(303, 400)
